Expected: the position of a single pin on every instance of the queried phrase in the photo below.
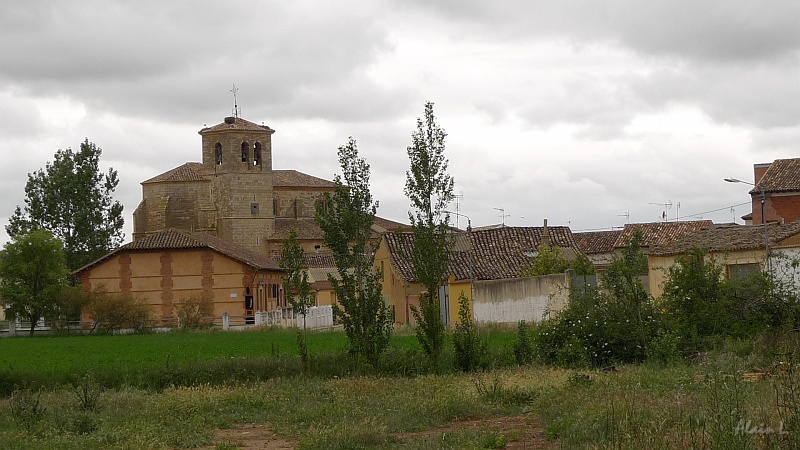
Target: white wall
(514, 299)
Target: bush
(602, 327)
(195, 312)
(523, 349)
(470, 347)
(118, 311)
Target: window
(738, 272)
(218, 153)
(257, 154)
(275, 207)
(245, 152)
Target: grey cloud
(720, 30)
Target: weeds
(86, 391)
(26, 408)
(496, 392)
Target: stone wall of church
(174, 205)
(296, 203)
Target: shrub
(118, 311)
(26, 408)
(195, 312)
(470, 347)
(523, 349)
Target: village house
(778, 185)
(739, 249)
(485, 266)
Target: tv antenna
(627, 216)
(503, 214)
(236, 111)
(666, 206)
(457, 198)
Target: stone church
(234, 193)
(215, 229)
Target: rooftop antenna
(627, 216)
(666, 206)
(458, 197)
(236, 111)
(502, 214)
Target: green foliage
(196, 312)
(700, 303)
(119, 311)
(296, 287)
(71, 198)
(551, 260)
(67, 311)
(599, 327)
(347, 227)
(26, 408)
(429, 188)
(32, 274)
(523, 348)
(470, 346)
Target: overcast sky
(588, 113)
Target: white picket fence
(318, 317)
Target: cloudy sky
(590, 114)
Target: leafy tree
(33, 274)
(195, 312)
(296, 286)
(430, 189)
(347, 227)
(71, 198)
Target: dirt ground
(521, 433)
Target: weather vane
(234, 90)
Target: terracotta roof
(236, 124)
(390, 225)
(173, 239)
(594, 242)
(499, 252)
(293, 178)
(729, 238)
(306, 228)
(319, 260)
(783, 175)
(660, 233)
(191, 171)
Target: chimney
(545, 234)
(759, 170)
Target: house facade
(170, 266)
(778, 184)
(485, 266)
(739, 249)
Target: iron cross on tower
(234, 90)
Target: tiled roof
(293, 178)
(306, 228)
(594, 242)
(237, 124)
(728, 238)
(191, 171)
(783, 175)
(390, 225)
(182, 240)
(319, 260)
(660, 233)
(499, 252)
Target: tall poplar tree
(346, 219)
(430, 189)
(71, 198)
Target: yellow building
(172, 265)
(479, 258)
(739, 249)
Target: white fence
(317, 317)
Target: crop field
(247, 390)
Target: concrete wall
(515, 299)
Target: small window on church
(275, 207)
(245, 152)
(218, 153)
(257, 154)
